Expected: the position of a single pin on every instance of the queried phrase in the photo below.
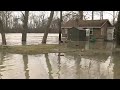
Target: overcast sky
(107, 14)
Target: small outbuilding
(77, 34)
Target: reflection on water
(58, 66)
(91, 45)
(25, 61)
(49, 66)
(116, 61)
(63, 65)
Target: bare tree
(5, 17)
(92, 15)
(101, 15)
(60, 21)
(47, 27)
(25, 26)
(2, 33)
(117, 30)
(113, 17)
(81, 15)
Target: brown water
(32, 38)
(60, 65)
(54, 66)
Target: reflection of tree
(77, 64)
(25, 61)
(1, 61)
(98, 69)
(96, 59)
(116, 60)
(49, 66)
(59, 66)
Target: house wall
(97, 33)
(64, 32)
(110, 34)
(104, 29)
(101, 33)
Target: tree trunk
(117, 30)
(47, 27)
(25, 26)
(101, 15)
(92, 15)
(60, 21)
(81, 15)
(2, 33)
(113, 17)
(6, 20)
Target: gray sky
(107, 14)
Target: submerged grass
(36, 49)
(49, 48)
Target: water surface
(54, 66)
(32, 38)
(59, 65)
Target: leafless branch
(23, 14)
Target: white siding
(110, 33)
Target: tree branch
(23, 14)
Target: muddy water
(32, 38)
(59, 66)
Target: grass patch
(36, 49)
(50, 48)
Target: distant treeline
(30, 30)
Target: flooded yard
(58, 66)
(32, 38)
(70, 65)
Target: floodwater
(32, 38)
(54, 66)
(60, 65)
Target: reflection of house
(100, 29)
(86, 45)
(90, 67)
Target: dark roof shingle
(85, 23)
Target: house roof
(86, 23)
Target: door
(109, 36)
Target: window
(91, 31)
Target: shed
(76, 34)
